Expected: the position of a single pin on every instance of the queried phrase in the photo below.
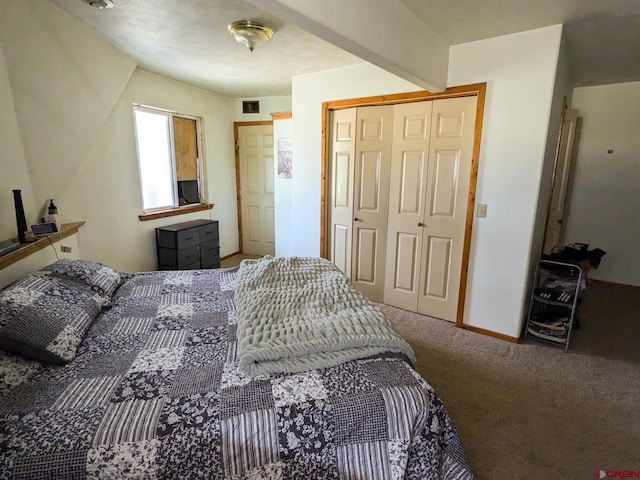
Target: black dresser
(188, 246)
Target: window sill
(176, 211)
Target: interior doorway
(254, 149)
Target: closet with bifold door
(399, 188)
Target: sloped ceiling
(65, 80)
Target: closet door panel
(408, 184)
(444, 183)
(342, 168)
(373, 154)
(366, 243)
(449, 173)
(411, 182)
(342, 180)
(437, 273)
(369, 182)
(341, 247)
(405, 263)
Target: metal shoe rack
(554, 302)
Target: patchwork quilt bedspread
(155, 392)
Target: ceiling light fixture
(249, 33)
(99, 4)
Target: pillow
(45, 318)
(98, 277)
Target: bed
(111, 375)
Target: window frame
(175, 208)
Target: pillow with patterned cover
(98, 277)
(45, 317)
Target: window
(169, 158)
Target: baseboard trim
(489, 333)
(230, 255)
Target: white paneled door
(409, 166)
(256, 169)
(445, 212)
(397, 229)
(371, 199)
(343, 143)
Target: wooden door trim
(473, 181)
(236, 147)
(476, 89)
(556, 161)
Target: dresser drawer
(179, 239)
(211, 262)
(209, 249)
(188, 238)
(209, 233)
(193, 266)
(181, 259)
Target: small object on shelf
(554, 302)
(52, 216)
(44, 228)
(8, 246)
(20, 218)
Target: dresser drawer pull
(189, 238)
(188, 257)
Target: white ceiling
(603, 36)
(188, 39)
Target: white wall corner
(562, 88)
(520, 71)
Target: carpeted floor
(530, 411)
(234, 260)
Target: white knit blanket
(296, 314)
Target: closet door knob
(420, 224)
(357, 219)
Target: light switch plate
(481, 212)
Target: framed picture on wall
(285, 158)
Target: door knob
(420, 224)
(357, 219)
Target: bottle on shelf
(52, 215)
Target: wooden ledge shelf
(39, 243)
(176, 211)
(281, 115)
